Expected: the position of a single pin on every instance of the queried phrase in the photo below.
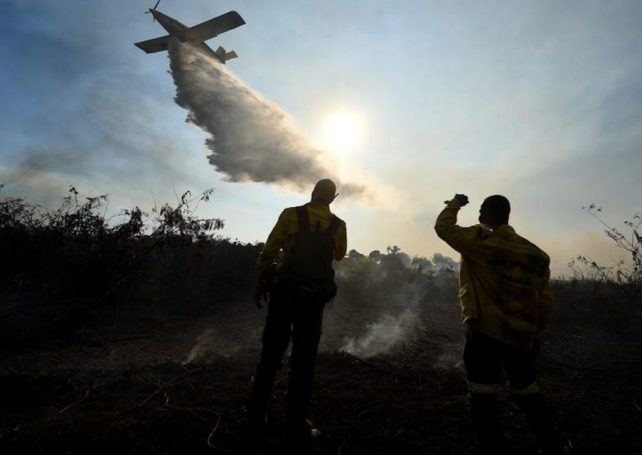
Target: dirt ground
(178, 383)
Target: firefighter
(506, 303)
(295, 278)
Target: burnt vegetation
(76, 259)
(135, 333)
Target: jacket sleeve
(462, 240)
(275, 241)
(340, 242)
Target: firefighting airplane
(196, 35)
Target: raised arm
(461, 239)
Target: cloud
(251, 139)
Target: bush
(74, 253)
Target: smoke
(393, 308)
(381, 336)
(251, 139)
(205, 343)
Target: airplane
(196, 35)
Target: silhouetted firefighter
(506, 302)
(309, 237)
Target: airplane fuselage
(173, 27)
(178, 29)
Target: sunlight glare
(343, 131)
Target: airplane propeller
(153, 9)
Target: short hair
(498, 207)
(324, 191)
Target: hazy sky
(538, 100)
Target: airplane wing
(154, 45)
(209, 29)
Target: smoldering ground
(384, 309)
(381, 336)
(383, 330)
(251, 139)
(401, 323)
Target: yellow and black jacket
(504, 288)
(279, 243)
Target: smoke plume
(381, 336)
(251, 139)
(204, 344)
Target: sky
(540, 101)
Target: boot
(538, 417)
(299, 438)
(252, 435)
(253, 429)
(483, 410)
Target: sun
(342, 132)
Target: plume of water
(251, 139)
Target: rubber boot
(297, 430)
(539, 419)
(254, 426)
(484, 414)
(299, 438)
(252, 436)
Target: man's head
(324, 191)
(494, 211)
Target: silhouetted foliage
(383, 282)
(617, 287)
(180, 221)
(354, 255)
(623, 272)
(74, 252)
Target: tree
(375, 256)
(393, 250)
(354, 255)
(443, 263)
(422, 265)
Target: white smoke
(380, 336)
(251, 139)
(205, 344)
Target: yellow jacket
(503, 283)
(281, 238)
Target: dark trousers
(485, 359)
(295, 315)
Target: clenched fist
(461, 199)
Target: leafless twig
(184, 409)
(167, 386)
(67, 408)
(216, 425)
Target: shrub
(73, 252)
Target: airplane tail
(224, 55)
